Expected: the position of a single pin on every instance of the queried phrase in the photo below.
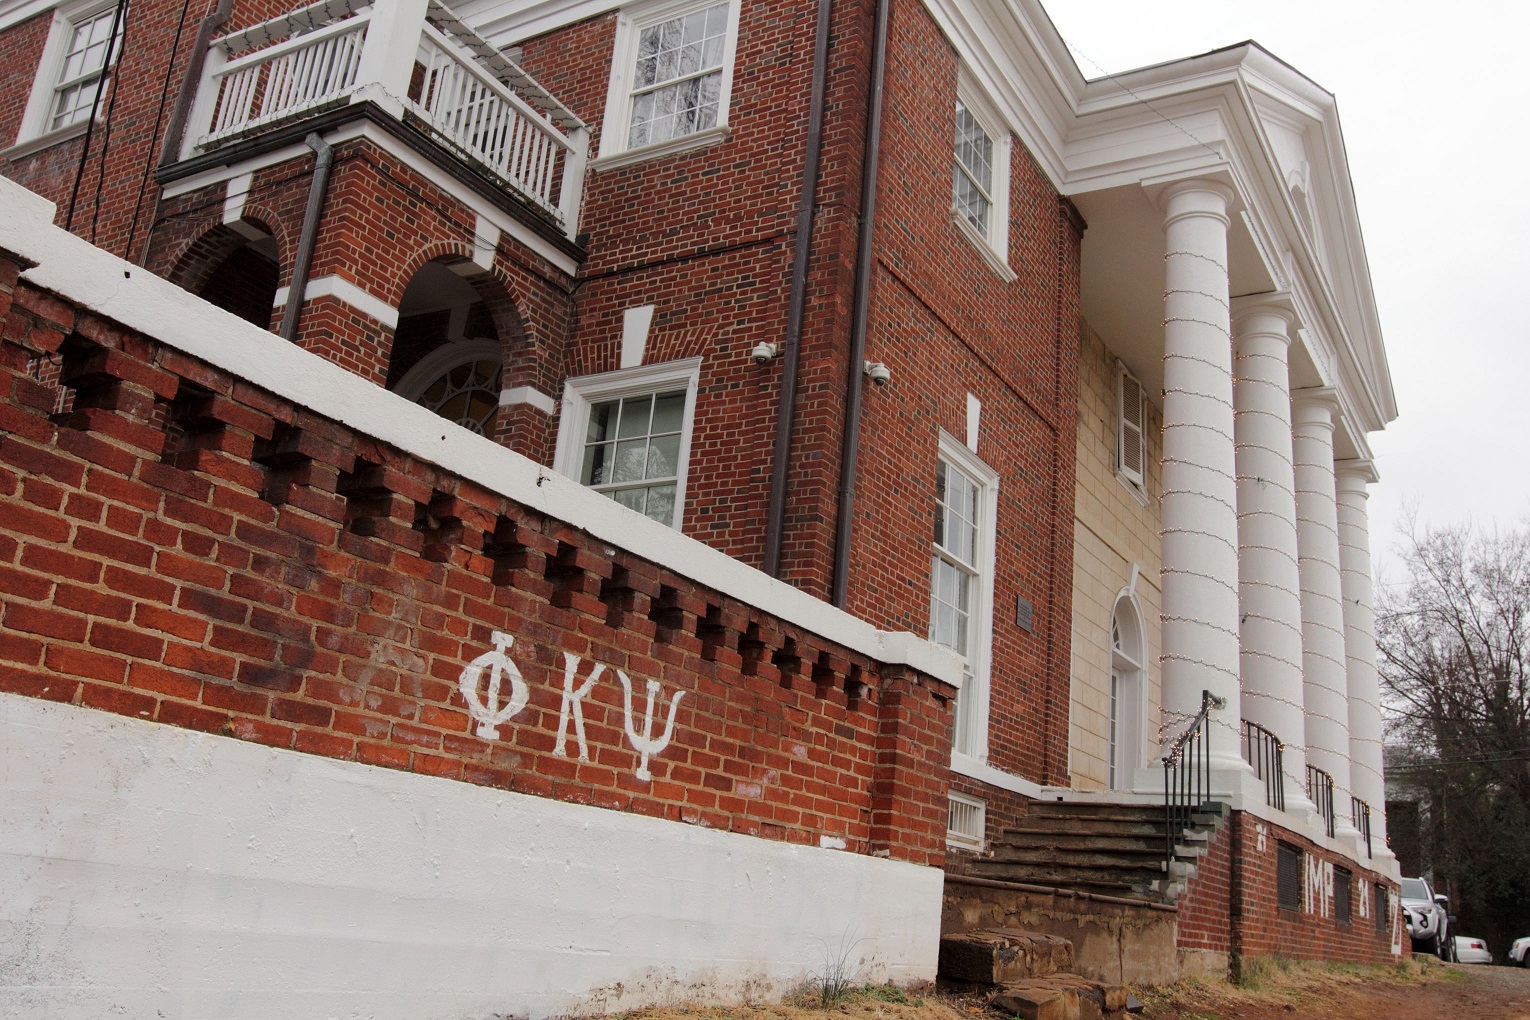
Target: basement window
(1341, 903)
(966, 821)
(1288, 876)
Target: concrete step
(1093, 857)
(1033, 837)
(993, 956)
(1108, 881)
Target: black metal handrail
(1187, 774)
(1320, 792)
(1360, 813)
(1264, 751)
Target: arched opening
(448, 352)
(236, 267)
(1127, 654)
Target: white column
(1325, 693)
(1365, 734)
(1269, 581)
(1200, 522)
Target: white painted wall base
(148, 871)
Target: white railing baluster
(460, 100)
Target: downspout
(175, 131)
(786, 408)
(858, 324)
(324, 158)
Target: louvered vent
(1130, 447)
(965, 819)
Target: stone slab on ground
(996, 956)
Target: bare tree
(1453, 636)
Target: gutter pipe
(324, 158)
(863, 268)
(175, 132)
(786, 408)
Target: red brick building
(763, 333)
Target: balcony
(421, 65)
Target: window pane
(597, 460)
(600, 421)
(668, 412)
(636, 413)
(631, 461)
(661, 503)
(663, 457)
(633, 499)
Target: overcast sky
(1434, 100)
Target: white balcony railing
(417, 61)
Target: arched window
(459, 381)
(447, 353)
(1127, 655)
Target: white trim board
(156, 871)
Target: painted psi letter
(573, 704)
(499, 664)
(646, 745)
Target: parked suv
(1428, 917)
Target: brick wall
(187, 548)
(707, 237)
(1232, 906)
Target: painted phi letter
(499, 665)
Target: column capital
(1355, 475)
(1318, 405)
(1201, 196)
(1247, 311)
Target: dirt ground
(1411, 991)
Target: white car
(1428, 917)
(1518, 954)
(1472, 950)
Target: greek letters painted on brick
(497, 665)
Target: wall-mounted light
(764, 353)
(877, 372)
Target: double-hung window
(980, 176)
(79, 51)
(627, 434)
(670, 79)
(961, 581)
(1131, 429)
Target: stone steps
(1101, 848)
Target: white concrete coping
(118, 290)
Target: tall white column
(1200, 523)
(1269, 581)
(1325, 692)
(1365, 733)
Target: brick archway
(236, 266)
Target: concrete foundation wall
(150, 871)
(1112, 941)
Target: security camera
(878, 372)
(764, 353)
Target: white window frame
(618, 117)
(972, 703)
(994, 243)
(34, 132)
(1126, 384)
(582, 393)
